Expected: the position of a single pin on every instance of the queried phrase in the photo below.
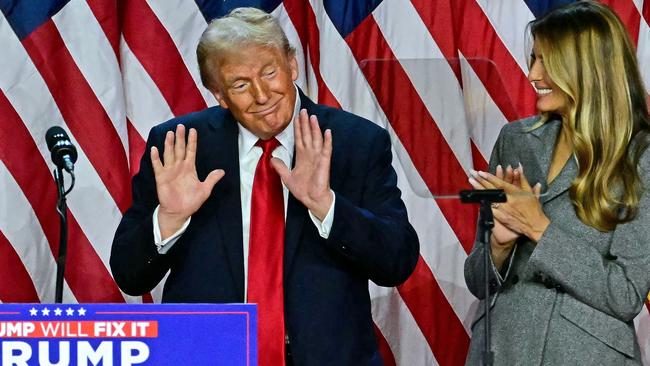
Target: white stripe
(340, 72)
(429, 73)
(145, 105)
(439, 246)
(312, 82)
(280, 13)
(22, 229)
(483, 115)
(81, 32)
(509, 20)
(351, 89)
(639, 6)
(90, 202)
(643, 52)
(642, 325)
(185, 24)
(397, 325)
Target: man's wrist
(169, 224)
(322, 206)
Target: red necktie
(265, 257)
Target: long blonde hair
(588, 55)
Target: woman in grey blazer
(570, 267)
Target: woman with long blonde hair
(571, 247)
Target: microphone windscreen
(53, 135)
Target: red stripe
(435, 317)
(431, 156)
(646, 11)
(85, 273)
(136, 147)
(154, 48)
(81, 110)
(436, 16)
(16, 284)
(416, 129)
(629, 14)
(384, 348)
(479, 161)
(477, 39)
(106, 14)
(304, 20)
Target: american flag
(442, 76)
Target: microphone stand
(485, 198)
(62, 209)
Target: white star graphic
(57, 312)
(45, 311)
(33, 311)
(82, 311)
(69, 312)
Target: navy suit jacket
(327, 304)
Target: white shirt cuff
(324, 227)
(164, 245)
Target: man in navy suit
(193, 213)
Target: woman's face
(549, 97)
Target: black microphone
(64, 154)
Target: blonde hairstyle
(588, 55)
(239, 28)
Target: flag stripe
(99, 68)
(184, 23)
(84, 116)
(148, 39)
(29, 170)
(429, 308)
(415, 128)
(304, 20)
(20, 288)
(397, 325)
(629, 14)
(477, 39)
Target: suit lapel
(296, 211)
(225, 200)
(536, 159)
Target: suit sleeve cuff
(163, 246)
(324, 227)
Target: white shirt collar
(286, 138)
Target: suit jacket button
(344, 248)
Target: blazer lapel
(547, 136)
(222, 152)
(296, 211)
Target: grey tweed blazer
(570, 299)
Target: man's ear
(293, 66)
(219, 96)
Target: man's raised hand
(180, 192)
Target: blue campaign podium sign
(128, 334)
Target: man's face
(256, 83)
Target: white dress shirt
(249, 155)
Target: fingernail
(509, 167)
(483, 174)
(472, 172)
